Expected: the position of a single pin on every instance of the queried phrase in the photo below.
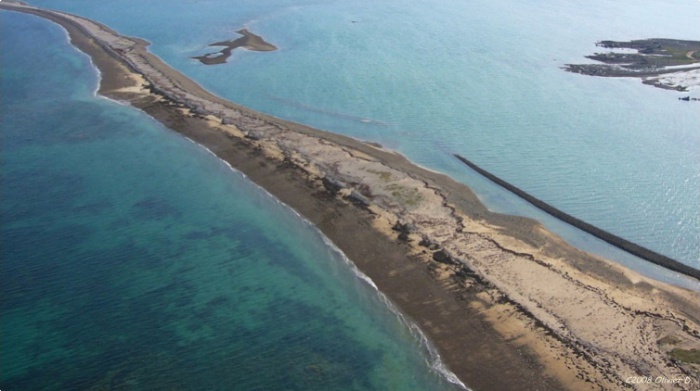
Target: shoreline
(470, 279)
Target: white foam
(690, 80)
(435, 361)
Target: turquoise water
(480, 78)
(134, 259)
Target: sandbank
(508, 304)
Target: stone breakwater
(632, 248)
(562, 319)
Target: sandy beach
(508, 304)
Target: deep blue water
(134, 259)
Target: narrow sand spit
(508, 304)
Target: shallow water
(478, 78)
(134, 259)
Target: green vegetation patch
(668, 340)
(691, 356)
(405, 195)
(384, 175)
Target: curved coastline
(436, 363)
(624, 244)
(470, 279)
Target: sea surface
(135, 259)
(132, 258)
(480, 78)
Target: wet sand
(509, 305)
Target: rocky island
(248, 41)
(665, 63)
